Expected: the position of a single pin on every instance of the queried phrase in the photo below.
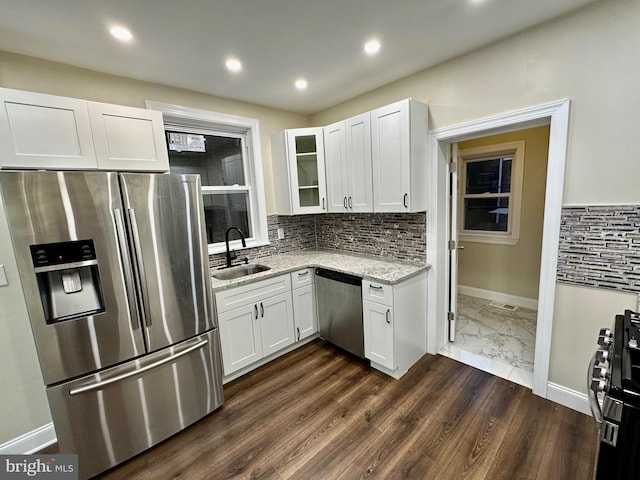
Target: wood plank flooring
(318, 413)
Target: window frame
(515, 150)
(199, 121)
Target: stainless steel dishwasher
(340, 310)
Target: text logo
(51, 467)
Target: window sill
(237, 245)
(484, 238)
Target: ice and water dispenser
(68, 279)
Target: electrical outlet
(280, 233)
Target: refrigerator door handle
(132, 373)
(126, 267)
(142, 282)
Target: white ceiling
(184, 43)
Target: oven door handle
(594, 405)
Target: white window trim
(192, 118)
(512, 235)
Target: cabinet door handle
(344, 202)
(256, 309)
(323, 203)
(350, 203)
(298, 329)
(261, 310)
(388, 316)
(303, 274)
(375, 287)
(404, 200)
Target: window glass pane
(489, 176)
(218, 160)
(224, 210)
(486, 214)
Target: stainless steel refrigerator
(114, 270)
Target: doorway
(497, 193)
(556, 115)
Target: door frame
(555, 114)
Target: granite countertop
(372, 268)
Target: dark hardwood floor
(318, 413)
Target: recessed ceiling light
(121, 33)
(233, 65)
(372, 47)
(301, 84)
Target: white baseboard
(524, 302)
(569, 398)
(30, 442)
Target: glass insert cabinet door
(306, 156)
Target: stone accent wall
(401, 236)
(600, 247)
(300, 234)
(393, 236)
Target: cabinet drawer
(253, 292)
(302, 278)
(377, 292)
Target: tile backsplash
(399, 236)
(600, 247)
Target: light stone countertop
(372, 268)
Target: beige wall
(27, 73)
(23, 403)
(512, 269)
(580, 313)
(589, 57)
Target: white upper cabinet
(51, 132)
(348, 161)
(360, 173)
(128, 138)
(44, 131)
(336, 167)
(399, 153)
(298, 163)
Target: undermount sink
(241, 271)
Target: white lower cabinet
(276, 323)
(240, 338)
(395, 318)
(255, 321)
(304, 303)
(378, 335)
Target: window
(490, 193)
(225, 151)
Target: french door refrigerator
(114, 270)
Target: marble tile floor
(494, 339)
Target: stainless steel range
(614, 396)
(114, 269)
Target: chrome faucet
(231, 254)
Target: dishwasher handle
(339, 276)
